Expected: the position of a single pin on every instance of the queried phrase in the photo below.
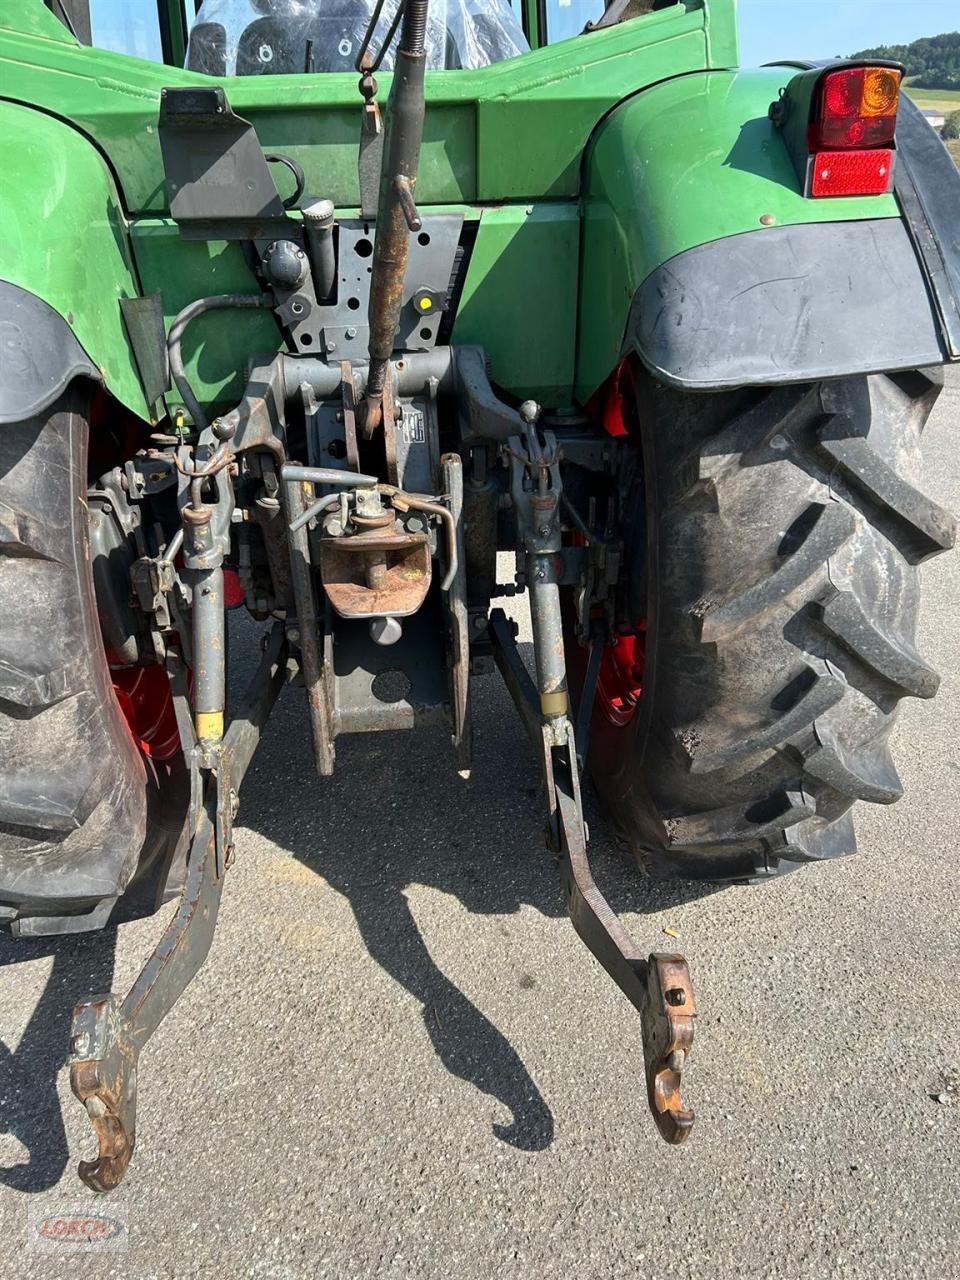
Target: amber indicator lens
(881, 91)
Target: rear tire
(78, 801)
(780, 585)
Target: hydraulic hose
(218, 302)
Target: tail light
(839, 125)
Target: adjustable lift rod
(396, 212)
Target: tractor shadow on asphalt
(402, 816)
(29, 1104)
(395, 814)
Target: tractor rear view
(340, 301)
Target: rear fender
(65, 264)
(701, 254)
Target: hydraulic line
(217, 302)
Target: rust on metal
(390, 427)
(667, 1042)
(348, 400)
(381, 573)
(103, 1074)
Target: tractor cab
(270, 37)
(278, 37)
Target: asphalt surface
(399, 1060)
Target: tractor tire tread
(782, 628)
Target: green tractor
(315, 306)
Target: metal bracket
(218, 181)
(459, 653)
(108, 1034)
(144, 322)
(370, 160)
(657, 985)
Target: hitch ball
(385, 630)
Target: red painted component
(620, 681)
(233, 593)
(147, 704)
(618, 389)
(851, 173)
(620, 678)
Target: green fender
(64, 241)
(687, 163)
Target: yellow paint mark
(554, 704)
(210, 725)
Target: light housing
(845, 108)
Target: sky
(812, 29)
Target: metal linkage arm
(658, 985)
(109, 1033)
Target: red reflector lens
(851, 173)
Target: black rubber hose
(218, 302)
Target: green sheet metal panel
(216, 347)
(34, 17)
(519, 298)
(686, 162)
(532, 133)
(64, 238)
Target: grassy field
(945, 100)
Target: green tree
(951, 127)
(930, 63)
